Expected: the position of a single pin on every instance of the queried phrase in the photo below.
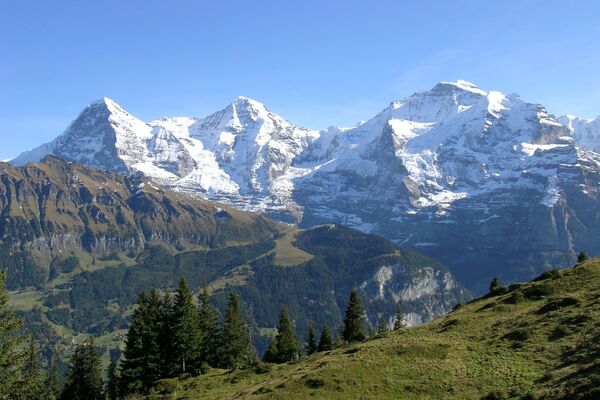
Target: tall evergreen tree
(84, 380)
(582, 257)
(112, 382)
(132, 365)
(52, 382)
(325, 341)
(271, 353)
(150, 343)
(287, 341)
(311, 340)
(142, 364)
(495, 285)
(399, 321)
(382, 325)
(235, 343)
(354, 323)
(208, 317)
(170, 364)
(186, 336)
(11, 356)
(33, 380)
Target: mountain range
(80, 244)
(487, 183)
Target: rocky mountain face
(485, 182)
(79, 245)
(57, 206)
(63, 221)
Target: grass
(544, 341)
(286, 253)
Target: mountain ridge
(429, 167)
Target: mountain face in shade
(485, 182)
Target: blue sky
(316, 63)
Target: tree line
(169, 336)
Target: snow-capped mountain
(585, 131)
(486, 182)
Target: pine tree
(325, 341)
(142, 364)
(354, 323)
(11, 357)
(208, 317)
(52, 382)
(287, 341)
(112, 383)
(495, 285)
(235, 351)
(84, 380)
(32, 387)
(382, 325)
(311, 340)
(582, 257)
(150, 341)
(132, 365)
(271, 353)
(170, 364)
(399, 321)
(186, 336)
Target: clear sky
(316, 63)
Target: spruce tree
(186, 335)
(236, 350)
(287, 341)
(208, 317)
(142, 364)
(311, 340)
(132, 365)
(112, 382)
(325, 341)
(399, 320)
(52, 382)
(11, 357)
(84, 379)
(169, 362)
(495, 285)
(271, 353)
(582, 257)
(382, 325)
(354, 323)
(33, 380)
(150, 341)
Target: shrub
(519, 334)
(550, 274)
(537, 292)
(558, 304)
(314, 383)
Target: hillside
(80, 244)
(538, 340)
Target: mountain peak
(461, 85)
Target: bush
(550, 274)
(493, 396)
(558, 304)
(314, 383)
(537, 292)
(520, 334)
(515, 298)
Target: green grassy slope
(540, 339)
